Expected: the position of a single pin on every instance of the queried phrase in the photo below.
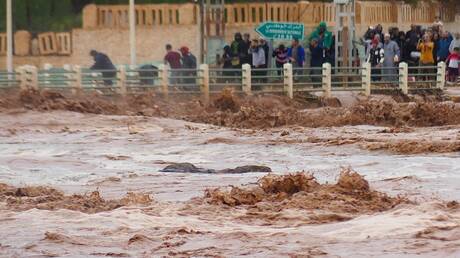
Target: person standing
(281, 57)
(391, 58)
(401, 41)
(263, 43)
(296, 54)
(258, 60)
(173, 58)
(323, 36)
(379, 31)
(412, 39)
(426, 54)
(237, 48)
(227, 63)
(188, 62)
(246, 57)
(453, 66)
(443, 46)
(376, 57)
(435, 38)
(103, 62)
(317, 59)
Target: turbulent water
(76, 185)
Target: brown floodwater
(89, 185)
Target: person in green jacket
(323, 35)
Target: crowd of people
(417, 47)
(259, 54)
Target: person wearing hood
(323, 36)
(317, 59)
(379, 31)
(226, 60)
(237, 47)
(391, 58)
(375, 58)
(188, 62)
(246, 57)
(103, 62)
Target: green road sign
(280, 30)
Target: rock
(190, 168)
(185, 168)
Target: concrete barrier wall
(115, 43)
(116, 16)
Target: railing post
(366, 78)
(327, 80)
(403, 78)
(163, 75)
(441, 77)
(246, 79)
(22, 77)
(122, 80)
(77, 78)
(204, 81)
(33, 78)
(288, 80)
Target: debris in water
(190, 168)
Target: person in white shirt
(258, 60)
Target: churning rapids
(112, 184)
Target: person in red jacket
(173, 58)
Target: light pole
(9, 37)
(132, 31)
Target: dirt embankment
(300, 198)
(46, 198)
(256, 112)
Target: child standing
(453, 61)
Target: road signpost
(281, 30)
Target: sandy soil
(88, 185)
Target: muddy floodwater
(86, 185)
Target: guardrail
(204, 80)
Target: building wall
(115, 43)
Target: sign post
(281, 31)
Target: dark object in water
(190, 168)
(245, 169)
(186, 168)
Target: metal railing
(204, 80)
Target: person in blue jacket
(296, 54)
(103, 62)
(317, 59)
(443, 46)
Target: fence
(286, 80)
